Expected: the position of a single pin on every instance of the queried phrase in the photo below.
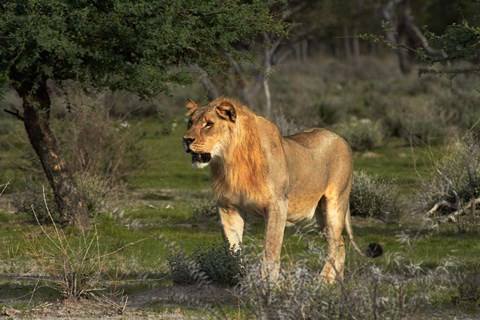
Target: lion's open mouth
(201, 157)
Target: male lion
(284, 179)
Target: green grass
(161, 201)
(168, 166)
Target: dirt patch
(193, 294)
(141, 305)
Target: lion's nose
(187, 142)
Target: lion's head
(209, 129)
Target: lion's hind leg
(334, 219)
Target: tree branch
(15, 113)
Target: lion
(284, 179)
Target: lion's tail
(374, 249)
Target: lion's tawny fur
(242, 165)
(256, 170)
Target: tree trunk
(267, 65)
(394, 39)
(36, 106)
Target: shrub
(184, 270)
(97, 192)
(99, 150)
(419, 129)
(394, 291)
(372, 197)
(460, 103)
(362, 135)
(6, 126)
(454, 184)
(216, 263)
(99, 145)
(220, 263)
(34, 201)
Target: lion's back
(320, 140)
(322, 153)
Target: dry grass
(72, 261)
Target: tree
(459, 42)
(141, 46)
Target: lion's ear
(227, 110)
(191, 105)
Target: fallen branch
(442, 203)
(452, 217)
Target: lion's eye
(208, 124)
(190, 123)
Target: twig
(5, 187)
(15, 113)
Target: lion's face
(208, 130)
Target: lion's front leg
(232, 226)
(275, 216)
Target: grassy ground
(165, 207)
(162, 210)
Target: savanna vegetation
(147, 241)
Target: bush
(97, 192)
(362, 135)
(371, 197)
(423, 128)
(395, 290)
(460, 103)
(184, 270)
(220, 264)
(37, 201)
(217, 264)
(454, 184)
(102, 153)
(98, 145)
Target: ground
(166, 206)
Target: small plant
(363, 135)
(216, 263)
(220, 263)
(185, 270)
(371, 197)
